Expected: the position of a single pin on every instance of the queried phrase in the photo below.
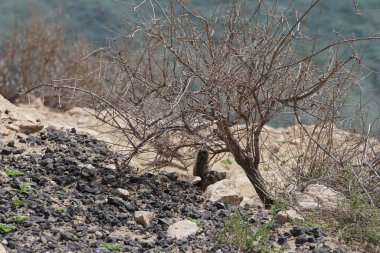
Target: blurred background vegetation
(92, 20)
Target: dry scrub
(180, 79)
(37, 52)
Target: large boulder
(283, 217)
(326, 197)
(305, 202)
(2, 249)
(224, 191)
(317, 196)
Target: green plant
(280, 204)
(60, 209)
(24, 188)
(17, 202)
(75, 238)
(239, 233)
(19, 218)
(111, 246)
(199, 222)
(65, 189)
(6, 228)
(359, 219)
(227, 162)
(13, 173)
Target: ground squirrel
(201, 170)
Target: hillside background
(89, 19)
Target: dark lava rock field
(63, 198)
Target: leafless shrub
(214, 81)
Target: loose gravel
(68, 200)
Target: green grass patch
(239, 233)
(17, 202)
(6, 228)
(13, 173)
(24, 188)
(357, 218)
(60, 209)
(75, 239)
(199, 222)
(227, 162)
(280, 204)
(111, 246)
(19, 218)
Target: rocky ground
(62, 190)
(75, 198)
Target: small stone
(288, 216)
(110, 166)
(115, 201)
(67, 236)
(3, 178)
(319, 250)
(296, 231)
(316, 232)
(11, 144)
(122, 192)
(340, 250)
(301, 240)
(172, 176)
(12, 244)
(6, 150)
(98, 234)
(52, 245)
(219, 205)
(46, 161)
(144, 217)
(182, 229)
(18, 151)
(281, 240)
(49, 151)
(194, 180)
